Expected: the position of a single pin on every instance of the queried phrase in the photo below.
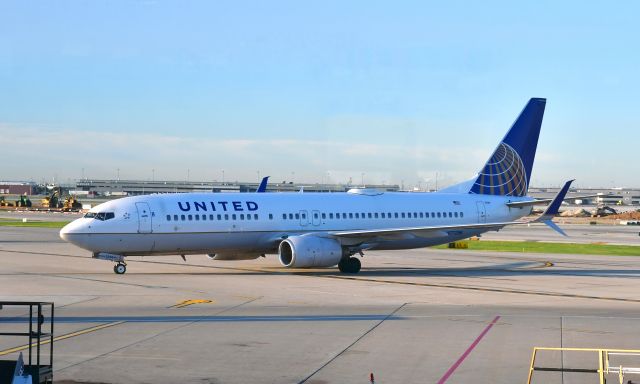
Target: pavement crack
(352, 344)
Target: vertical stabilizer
(508, 170)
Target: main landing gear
(349, 265)
(120, 268)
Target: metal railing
(604, 363)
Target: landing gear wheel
(120, 268)
(349, 265)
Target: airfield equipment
(23, 202)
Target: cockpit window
(100, 215)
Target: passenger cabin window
(182, 217)
(324, 216)
(211, 217)
(255, 216)
(175, 217)
(298, 216)
(271, 216)
(330, 215)
(168, 217)
(190, 217)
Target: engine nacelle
(309, 251)
(232, 256)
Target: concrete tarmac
(416, 316)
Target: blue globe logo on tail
(508, 170)
(504, 174)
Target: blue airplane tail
(508, 170)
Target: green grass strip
(34, 224)
(541, 247)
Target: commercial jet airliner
(321, 229)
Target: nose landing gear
(120, 268)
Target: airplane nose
(64, 232)
(73, 232)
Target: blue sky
(315, 90)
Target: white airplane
(321, 229)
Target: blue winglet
(554, 207)
(263, 184)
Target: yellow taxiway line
(62, 337)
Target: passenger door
(316, 218)
(144, 218)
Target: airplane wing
(519, 204)
(426, 231)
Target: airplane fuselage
(253, 223)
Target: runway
(418, 316)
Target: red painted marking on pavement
(467, 352)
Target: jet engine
(233, 256)
(309, 251)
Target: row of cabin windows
(374, 215)
(331, 216)
(211, 217)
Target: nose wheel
(120, 268)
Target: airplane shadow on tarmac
(533, 268)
